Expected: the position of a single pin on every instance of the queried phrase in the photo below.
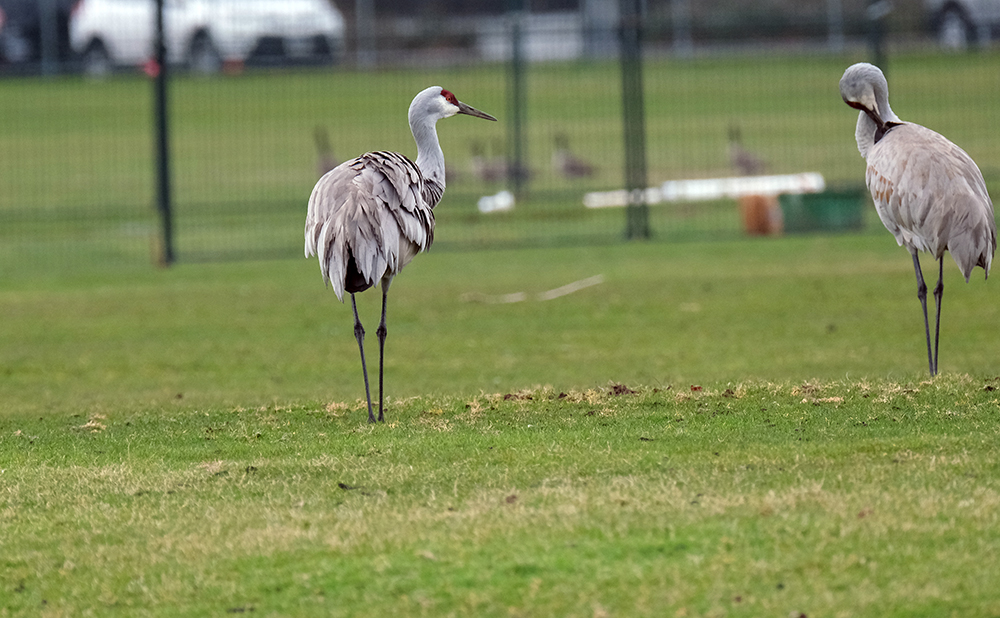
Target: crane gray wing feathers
(372, 209)
(931, 195)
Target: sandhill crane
(325, 161)
(496, 168)
(928, 192)
(370, 216)
(565, 163)
(486, 169)
(761, 213)
(744, 161)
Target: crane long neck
(430, 157)
(864, 134)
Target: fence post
(163, 206)
(515, 128)
(877, 13)
(637, 211)
(48, 31)
(680, 15)
(364, 23)
(835, 25)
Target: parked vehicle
(23, 32)
(962, 23)
(205, 35)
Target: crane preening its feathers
(928, 192)
(368, 217)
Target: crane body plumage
(932, 199)
(369, 217)
(928, 192)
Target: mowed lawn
(734, 427)
(842, 498)
(254, 333)
(717, 429)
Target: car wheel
(204, 57)
(954, 32)
(96, 60)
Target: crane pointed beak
(472, 111)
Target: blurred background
(659, 119)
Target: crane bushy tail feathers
(361, 216)
(978, 243)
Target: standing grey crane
(567, 164)
(368, 217)
(928, 192)
(745, 162)
(325, 161)
(486, 169)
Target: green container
(833, 210)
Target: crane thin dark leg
(381, 332)
(359, 334)
(922, 295)
(938, 295)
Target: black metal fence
(78, 172)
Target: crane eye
(449, 97)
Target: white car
(205, 34)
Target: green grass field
(77, 169)
(251, 333)
(842, 498)
(192, 441)
(727, 427)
